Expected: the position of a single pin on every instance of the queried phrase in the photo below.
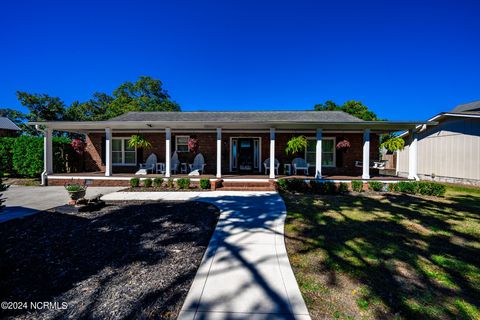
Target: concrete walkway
(245, 272)
(23, 201)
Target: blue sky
(404, 59)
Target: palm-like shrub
(393, 144)
(137, 141)
(296, 145)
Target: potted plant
(137, 141)
(193, 144)
(76, 191)
(296, 145)
(342, 147)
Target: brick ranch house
(235, 145)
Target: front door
(245, 155)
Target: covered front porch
(255, 152)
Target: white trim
(219, 153)
(334, 153)
(366, 154)
(176, 143)
(272, 153)
(168, 154)
(122, 151)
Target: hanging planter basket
(343, 145)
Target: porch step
(246, 186)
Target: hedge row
(23, 156)
(318, 187)
(182, 183)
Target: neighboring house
(233, 144)
(450, 151)
(8, 128)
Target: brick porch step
(246, 185)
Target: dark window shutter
(104, 151)
(139, 156)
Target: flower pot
(75, 195)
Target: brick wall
(345, 160)
(9, 133)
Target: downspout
(43, 176)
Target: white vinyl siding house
(448, 152)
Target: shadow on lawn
(407, 252)
(133, 260)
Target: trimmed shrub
(23, 156)
(357, 185)
(375, 186)
(134, 182)
(319, 187)
(393, 187)
(28, 156)
(342, 187)
(205, 183)
(147, 183)
(157, 182)
(407, 187)
(3, 187)
(297, 185)
(183, 183)
(6, 155)
(282, 184)
(428, 188)
(170, 183)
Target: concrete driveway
(23, 201)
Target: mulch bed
(127, 260)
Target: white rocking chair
(266, 164)
(148, 165)
(198, 163)
(174, 163)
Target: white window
(181, 143)
(328, 151)
(122, 154)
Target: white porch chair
(300, 164)
(266, 164)
(174, 163)
(377, 164)
(149, 164)
(198, 163)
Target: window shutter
(104, 150)
(139, 155)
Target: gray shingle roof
(245, 116)
(472, 106)
(7, 124)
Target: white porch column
(318, 155)
(219, 152)
(366, 154)
(168, 138)
(272, 153)
(108, 152)
(47, 155)
(412, 156)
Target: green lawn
(393, 256)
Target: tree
(355, 108)
(42, 107)
(146, 94)
(93, 110)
